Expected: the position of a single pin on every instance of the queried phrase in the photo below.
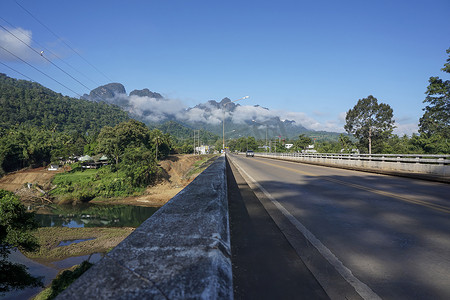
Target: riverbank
(177, 171)
(58, 243)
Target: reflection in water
(69, 242)
(49, 271)
(91, 215)
(85, 215)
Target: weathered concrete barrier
(181, 252)
(435, 167)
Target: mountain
(146, 93)
(184, 133)
(28, 103)
(153, 109)
(105, 92)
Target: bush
(66, 278)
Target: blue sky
(307, 60)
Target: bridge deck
(265, 266)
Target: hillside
(153, 109)
(30, 104)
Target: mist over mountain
(240, 120)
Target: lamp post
(223, 120)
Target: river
(85, 215)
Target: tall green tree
(302, 142)
(369, 121)
(15, 227)
(436, 118)
(113, 141)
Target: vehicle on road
(250, 153)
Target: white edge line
(361, 288)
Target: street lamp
(223, 120)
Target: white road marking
(361, 288)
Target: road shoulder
(265, 266)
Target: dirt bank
(177, 172)
(16, 180)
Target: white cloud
(14, 45)
(241, 114)
(152, 109)
(406, 128)
(156, 110)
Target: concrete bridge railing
(181, 252)
(415, 163)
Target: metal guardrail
(439, 159)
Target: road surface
(362, 235)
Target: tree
(369, 121)
(161, 142)
(113, 141)
(436, 118)
(302, 142)
(345, 142)
(15, 227)
(140, 166)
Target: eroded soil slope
(177, 172)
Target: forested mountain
(184, 133)
(153, 109)
(28, 103)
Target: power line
(49, 51)
(41, 54)
(40, 71)
(76, 52)
(16, 71)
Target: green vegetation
(85, 185)
(182, 136)
(28, 103)
(133, 150)
(62, 281)
(241, 144)
(435, 122)
(26, 146)
(16, 226)
(302, 142)
(370, 122)
(37, 125)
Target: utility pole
(194, 142)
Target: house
(202, 149)
(95, 162)
(309, 149)
(53, 167)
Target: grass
(201, 165)
(49, 238)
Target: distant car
(250, 153)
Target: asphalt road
(362, 235)
(265, 265)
